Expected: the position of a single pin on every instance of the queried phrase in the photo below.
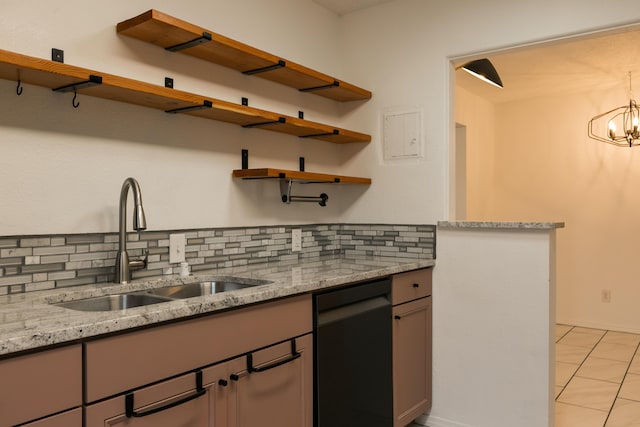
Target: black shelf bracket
(168, 82)
(206, 37)
(329, 86)
(281, 120)
(205, 104)
(93, 81)
(280, 64)
(245, 159)
(57, 55)
(315, 135)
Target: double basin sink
(126, 300)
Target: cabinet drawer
(174, 402)
(134, 359)
(411, 285)
(71, 418)
(40, 384)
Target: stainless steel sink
(113, 302)
(156, 296)
(191, 290)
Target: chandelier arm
(608, 112)
(628, 116)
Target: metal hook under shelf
(19, 88)
(92, 81)
(74, 102)
(285, 192)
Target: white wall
(478, 116)
(401, 50)
(61, 169)
(553, 171)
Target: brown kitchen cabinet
(412, 345)
(272, 384)
(212, 371)
(42, 384)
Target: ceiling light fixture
(484, 70)
(625, 118)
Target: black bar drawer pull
(128, 401)
(294, 355)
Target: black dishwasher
(353, 356)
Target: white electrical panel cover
(402, 134)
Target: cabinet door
(273, 386)
(411, 360)
(216, 380)
(177, 402)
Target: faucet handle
(140, 264)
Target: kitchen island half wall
(493, 329)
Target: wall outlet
(606, 295)
(177, 244)
(296, 240)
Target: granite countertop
(29, 321)
(497, 225)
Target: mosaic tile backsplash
(31, 263)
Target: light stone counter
(29, 321)
(496, 225)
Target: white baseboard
(431, 421)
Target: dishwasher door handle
(351, 310)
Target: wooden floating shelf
(63, 77)
(177, 35)
(306, 177)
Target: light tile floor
(597, 378)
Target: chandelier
(622, 124)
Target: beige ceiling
(342, 7)
(595, 62)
